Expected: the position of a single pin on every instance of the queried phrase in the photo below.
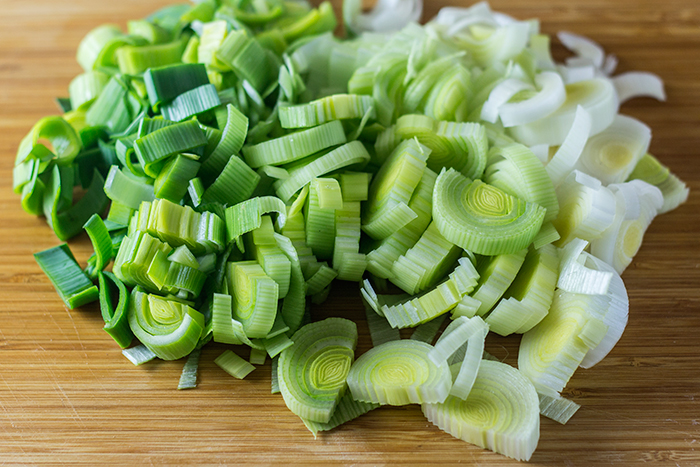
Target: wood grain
(69, 397)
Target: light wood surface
(68, 396)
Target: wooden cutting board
(68, 396)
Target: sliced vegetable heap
(249, 158)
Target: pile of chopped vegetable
(246, 158)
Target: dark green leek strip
(116, 320)
(101, 241)
(191, 103)
(126, 190)
(154, 148)
(188, 378)
(69, 280)
(172, 182)
(235, 184)
(134, 59)
(65, 220)
(63, 104)
(164, 84)
(232, 139)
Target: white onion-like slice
(597, 96)
(567, 155)
(551, 96)
(501, 94)
(387, 15)
(639, 84)
(583, 47)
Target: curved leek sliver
(399, 373)
(312, 372)
(615, 317)
(501, 413)
(550, 97)
(481, 218)
(62, 139)
(168, 328)
(597, 96)
(115, 318)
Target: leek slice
(169, 329)
(192, 103)
(566, 157)
(62, 139)
(424, 264)
(232, 138)
(93, 44)
(423, 308)
(246, 57)
(381, 259)
(527, 300)
(575, 277)
(85, 88)
(637, 84)
(549, 98)
(172, 182)
(312, 372)
(558, 409)
(263, 245)
(247, 216)
(496, 274)
(347, 409)
(481, 218)
(319, 222)
(344, 156)
(597, 96)
(154, 148)
(233, 364)
(399, 373)
(615, 317)
(163, 84)
(392, 187)
(517, 171)
(188, 377)
(101, 241)
(637, 204)
(501, 412)
(235, 184)
(295, 146)
(134, 59)
(115, 318)
(294, 304)
(674, 191)
(138, 355)
(347, 259)
(336, 107)
(550, 352)
(125, 190)
(71, 283)
(255, 297)
(386, 16)
(586, 208)
(611, 155)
